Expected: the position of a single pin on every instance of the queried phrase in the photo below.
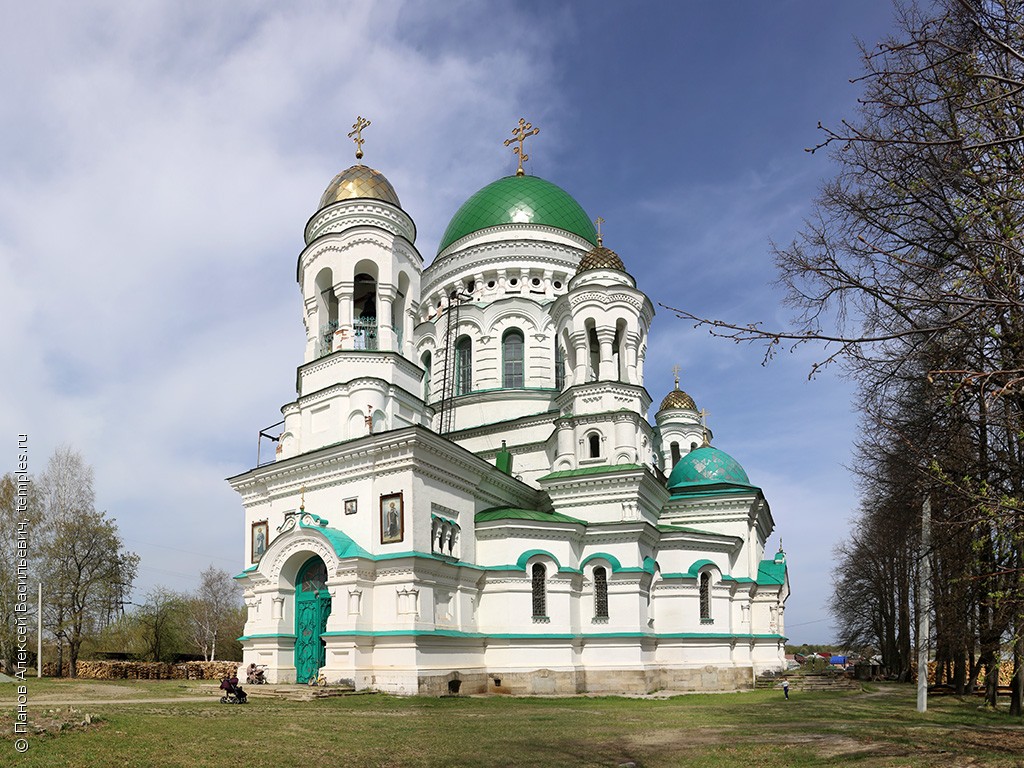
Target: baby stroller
(233, 694)
(254, 675)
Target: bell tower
(359, 274)
(602, 326)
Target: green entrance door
(312, 607)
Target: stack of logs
(148, 670)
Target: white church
(467, 492)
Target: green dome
(707, 466)
(519, 200)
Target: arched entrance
(312, 607)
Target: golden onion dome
(677, 399)
(359, 181)
(601, 258)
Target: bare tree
(87, 567)
(217, 599)
(159, 620)
(12, 515)
(912, 268)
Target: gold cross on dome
(520, 134)
(675, 371)
(599, 221)
(704, 413)
(357, 134)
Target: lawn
(156, 723)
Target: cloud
(162, 163)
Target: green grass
(879, 728)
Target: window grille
(600, 593)
(463, 366)
(540, 603)
(705, 597)
(559, 367)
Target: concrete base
(547, 682)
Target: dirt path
(100, 702)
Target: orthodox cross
(599, 221)
(520, 134)
(704, 425)
(675, 371)
(357, 135)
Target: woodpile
(148, 670)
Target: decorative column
(343, 291)
(386, 337)
(579, 343)
(605, 339)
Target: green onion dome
(519, 200)
(706, 466)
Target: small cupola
(600, 257)
(359, 181)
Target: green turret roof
(519, 200)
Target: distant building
(468, 484)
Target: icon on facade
(392, 519)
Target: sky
(160, 160)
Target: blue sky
(161, 159)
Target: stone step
(810, 683)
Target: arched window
(512, 358)
(594, 441)
(463, 366)
(705, 598)
(619, 350)
(675, 454)
(364, 305)
(595, 354)
(426, 359)
(600, 593)
(559, 366)
(540, 601)
(327, 312)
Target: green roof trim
(342, 543)
(604, 469)
(771, 572)
(455, 633)
(524, 557)
(516, 513)
(244, 574)
(269, 636)
(613, 561)
(695, 568)
(709, 490)
(519, 200)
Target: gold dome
(359, 181)
(677, 399)
(601, 258)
